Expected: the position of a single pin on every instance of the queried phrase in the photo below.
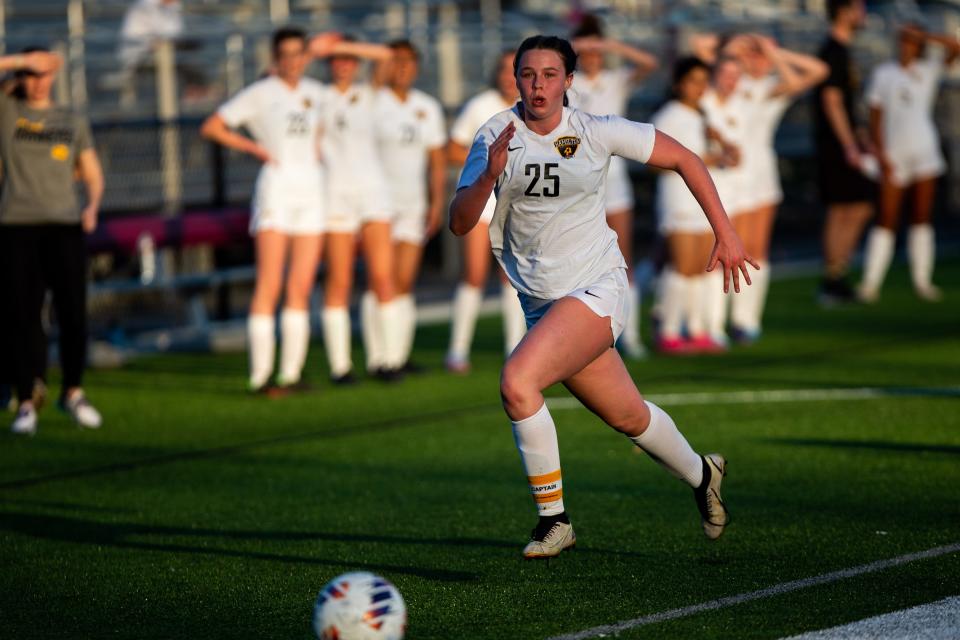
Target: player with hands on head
(547, 164)
(901, 96)
(601, 91)
(773, 77)
(412, 143)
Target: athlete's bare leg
(924, 193)
(407, 257)
(271, 249)
(341, 253)
(476, 256)
(841, 234)
(305, 254)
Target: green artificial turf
(199, 511)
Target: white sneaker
(868, 295)
(548, 543)
(713, 512)
(25, 424)
(82, 412)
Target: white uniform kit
(358, 190)
(607, 94)
(907, 97)
(406, 132)
(677, 210)
(731, 119)
(549, 230)
(289, 195)
(759, 155)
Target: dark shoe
(346, 380)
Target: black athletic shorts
(839, 182)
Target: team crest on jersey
(307, 103)
(355, 98)
(567, 146)
(421, 114)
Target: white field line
(769, 592)
(934, 621)
(773, 395)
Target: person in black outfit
(844, 189)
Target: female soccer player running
(283, 114)
(601, 91)
(411, 139)
(901, 96)
(547, 164)
(476, 244)
(773, 77)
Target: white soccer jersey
(285, 121)
(759, 155)
(731, 119)
(289, 194)
(674, 199)
(907, 97)
(350, 141)
(549, 231)
(607, 93)
(475, 113)
(406, 132)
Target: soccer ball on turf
(359, 606)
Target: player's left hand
(88, 219)
(322, 44)
(729, 251)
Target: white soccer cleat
(868, 295)
(25, 424)
(713, 512)
(550, 542)
(82, 412)
(929, 293)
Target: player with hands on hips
(547, 164)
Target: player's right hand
(259, 153)
(497, 152)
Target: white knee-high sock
(536, 439)
(336, 337)
(466, 307)
(408, 322)
(716, 304)
(761, 286)
(631, 333)
(665, 444)
(921, 253)
(391, 329)
(373, 347)
(514, 322)
(696, 307)
(261, 335)
(877, 258)
(673, 303)
(294, 342)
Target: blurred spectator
(42, 230)
(146, 23)
(841, 162)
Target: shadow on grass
(123, 536)
(876, 445)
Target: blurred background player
(901, 97)
(283, 114)
(846, 192)
(727, 114)
(412, 139)
(42, 229)
(601, 91)
(773, 77)
(680, 220)
(476, 243)
(358, 202)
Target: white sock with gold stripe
(536, 439)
